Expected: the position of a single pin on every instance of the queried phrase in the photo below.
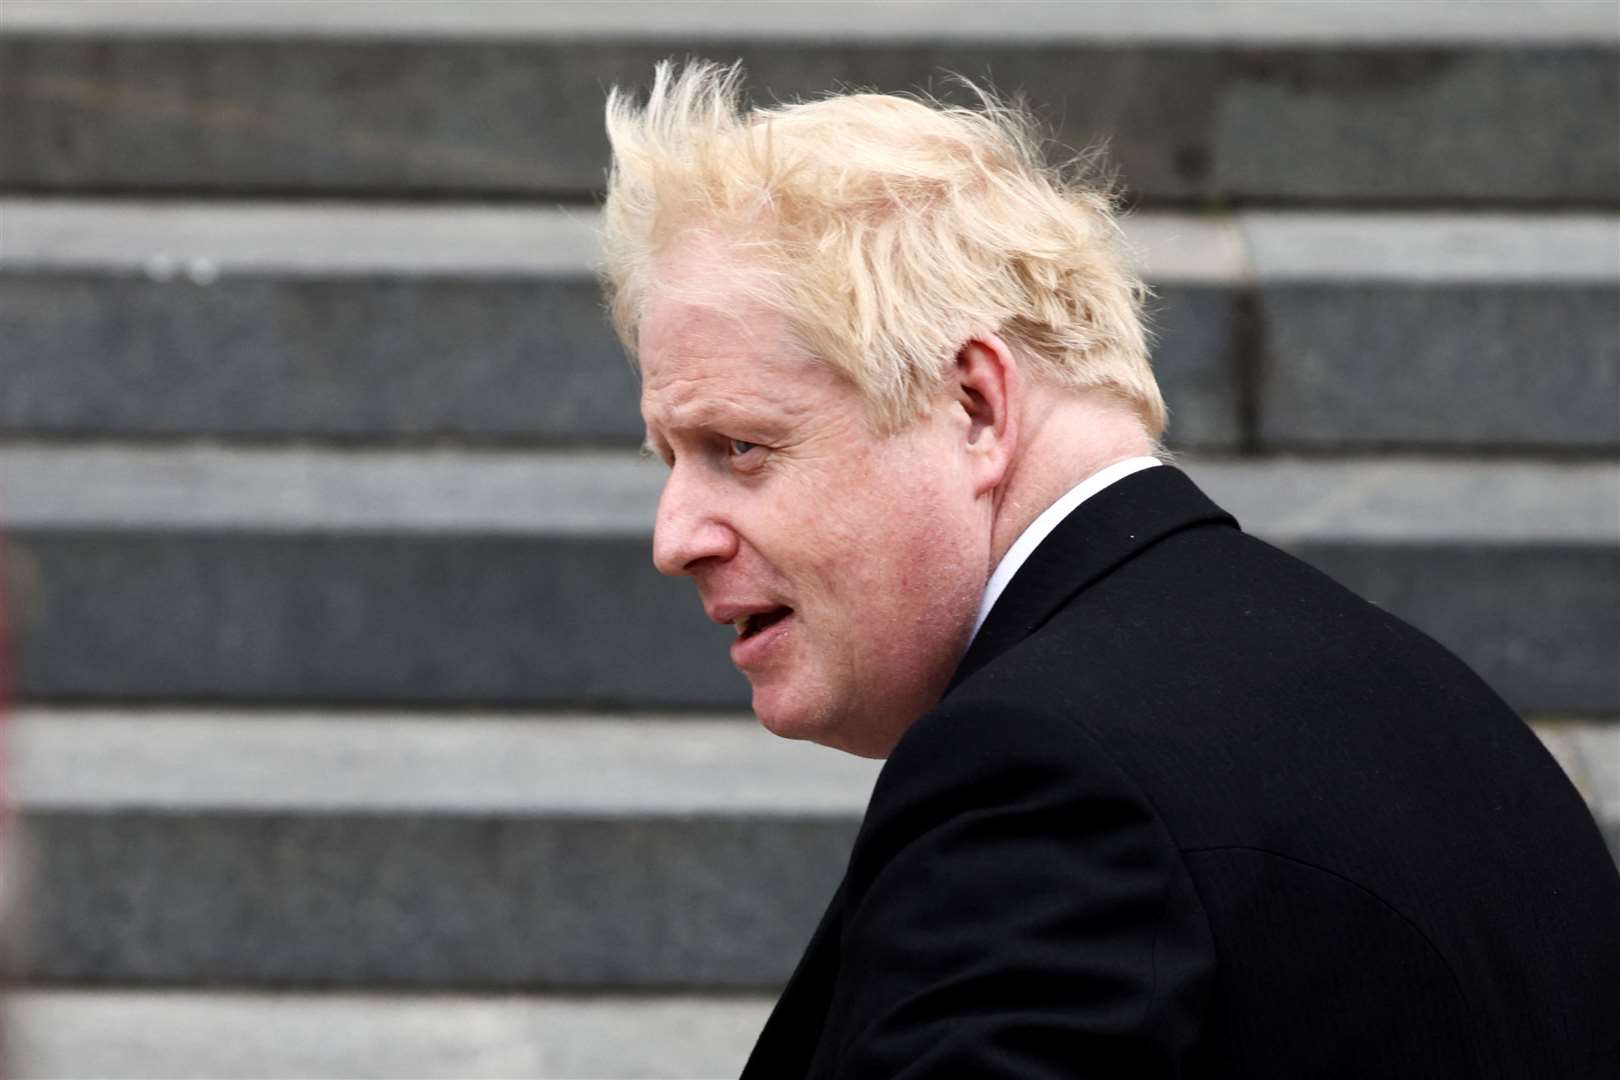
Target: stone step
(459, 850)
(197, 573)
(276, 321)
(258, 1035)
(1232, 102)
(1590, 755)
(429, 851)
(1255, 22)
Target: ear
(988, 390)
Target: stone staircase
(356, 735)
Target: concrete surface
(375, 576)
(1248, 21)
(245, 1035)
(302, 490)
(1208, 123)
(167, 240)
(324, 761)
(275, 321)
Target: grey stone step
(259, 1035)
(430, 851)
(269, 321)
(198, 573)
(1386, 103)
(180, 848)
(1590, 754)
(1192, 21)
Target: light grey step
(1358, 106)
(1590, 755)
(201, 573)
(424, 850)
(1236, 21)
(276, 321)
(200, 241)
(202, 488)
(260, 1035)
(266, 849)
(463, 764)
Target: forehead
(710, 356)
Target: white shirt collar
(1041, 527)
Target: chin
(789, 719)
(807, 722)
(790, 716)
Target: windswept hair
(888, 231)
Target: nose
(689, 528)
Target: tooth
(741, 623)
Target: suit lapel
(1103, 532)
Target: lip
(754, 650)
(730, 613)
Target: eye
(744, 456)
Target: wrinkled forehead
(717, 352)
(713, 324)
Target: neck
(1064, 438)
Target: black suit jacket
(1191, 809)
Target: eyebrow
(715, 416)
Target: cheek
(910, 567)
(879, 544)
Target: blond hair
(889, 231)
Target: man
(1159, 799)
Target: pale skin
(866, 554)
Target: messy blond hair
(889, 231)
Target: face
(851, 563)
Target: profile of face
(850, 562)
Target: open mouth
(749, 625)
